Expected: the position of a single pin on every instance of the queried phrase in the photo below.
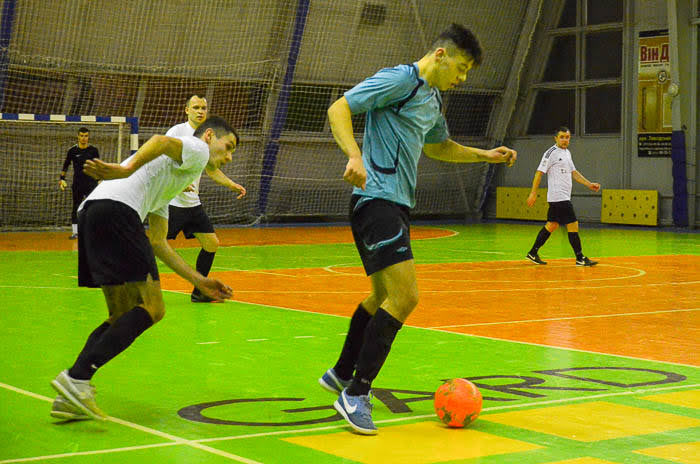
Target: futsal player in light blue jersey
(404, 117)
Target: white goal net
(33, 152)
(270, 67)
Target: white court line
(176, 440)
(593, 316)
(207, 343)
(483, 290)
(259, 272)
(554, 347)
(638, 273)
(427, 416)
(453, 233)
(198, 444)
(88, 453)
(28, 287)
(364, 292)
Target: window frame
(580, 84)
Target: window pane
(307, 107)
(561, 65)
(603, 113)
(568, 14)
(604, 55)
(553, 108)
(240, 103)
(604, 11)
(468, 114)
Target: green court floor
(237, 382)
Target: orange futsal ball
(457, 402)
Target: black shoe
(585, 262)
(73, 237)
(535, 258)
(199, 297)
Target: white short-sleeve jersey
(185, 199)
(153, 185)
(558, 165)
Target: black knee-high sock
(353, 342)
(90, 344)
(379, 335)
(113, 341)
(204, 261)
(539, 241)
(575, 242)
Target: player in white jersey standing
(186, 211)
(559, 167)
(115, 253)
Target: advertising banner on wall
(653, 100)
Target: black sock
(539, 241)
(89, 345)
(204, 261)
(113, 341)
(575, 242)
(353, 342)
(379, 335)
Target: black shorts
(113, 248)
(561, 212)
(381, 231)
(189, 221)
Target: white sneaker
(79, 392)
(64, 410)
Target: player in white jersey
(115, 253)
(186, 212)
(559, 167)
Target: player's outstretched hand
(240, 189)
(99, 170)
(62, 184)
(215, 289)
(595, 186)
(502, 155)
(355, 173)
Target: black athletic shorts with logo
(381, 231)
(113, 248)
(189, 221)
(561, 212)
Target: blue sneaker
(357, 410)
(331, 382)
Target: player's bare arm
(578, 177)
(452, 152)
(220, 178)
(340, 119)
(157, 235)
(532, 197)
(152, 149)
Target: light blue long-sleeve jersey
(403, 114)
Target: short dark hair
(83, 130)
(187, 103)
(220, 127)
(561, 129)
(462, 38)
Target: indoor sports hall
(575, 364)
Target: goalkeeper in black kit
(82, 183)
